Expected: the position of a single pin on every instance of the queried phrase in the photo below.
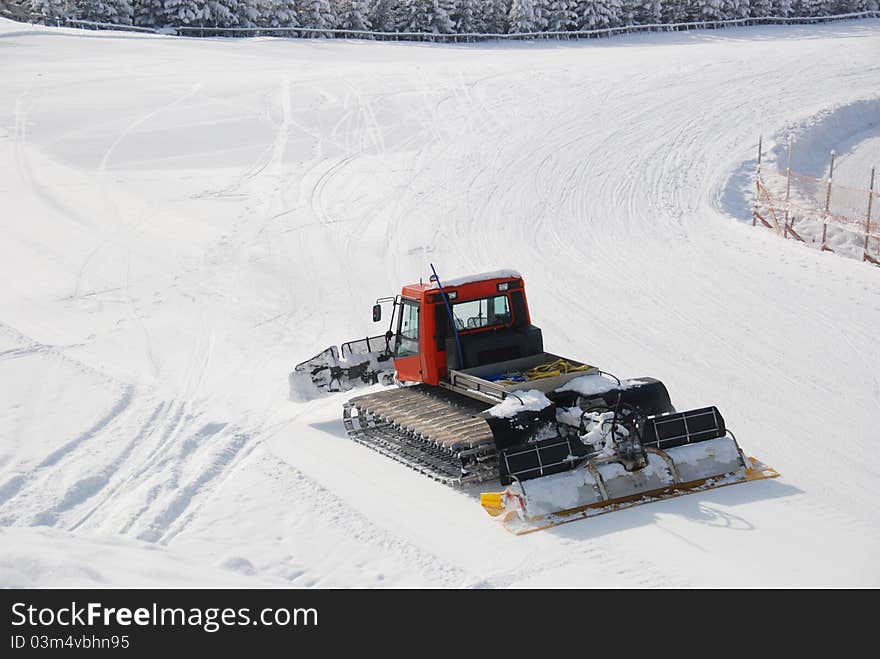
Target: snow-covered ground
(183, 220)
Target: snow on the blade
(483, 276)
(301, 388)
(569, 415)
(576, 488)
(596, 384)
(520, 401)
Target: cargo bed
(486, 382)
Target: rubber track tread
(438, 433)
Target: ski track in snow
(190, 219)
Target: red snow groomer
(485, 401)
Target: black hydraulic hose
(614, 419)
(601, 372)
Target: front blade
(575, 495)
(333, 370)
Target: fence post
(865, 256)
(787, 190)
(757, 181)
(827, 204)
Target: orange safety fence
(786, 200)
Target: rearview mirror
(377, 313)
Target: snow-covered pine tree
(247, 12)
(834, 7)
(599, 14)
(495, 16)
(218, 13)
(680, 11)
(522, 16)
(125, 11)
(826, 8)
(810, 8)
(53, 8)
(541, 13)
(149, 13)
(709, 10)
(317, 15)
(761, 8)
(443, 16)
(737, 9)
(278, 13)
(641, 12)
(105, 11)
(782, 8)
(413, 16)
(429, 16)
(845, 6)
(560, 15)
(465, 17)
(182, 12)
(353, 15)
(383, 15)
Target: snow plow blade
(598, 487)
(362, 362)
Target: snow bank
(520, 401)
(845, 129)
(814, 138)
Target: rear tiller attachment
(616, 461)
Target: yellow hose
(549, 370)
(552, 369)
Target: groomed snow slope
(853, 166)
(183, 220)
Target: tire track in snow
(89, 487)
(325, 510)
(11, 489)
(21, 111)
(130, 128)
(183, 494)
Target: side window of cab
(407, 343)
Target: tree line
(433, 16)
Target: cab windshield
(486, 312)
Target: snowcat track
(438, 433)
